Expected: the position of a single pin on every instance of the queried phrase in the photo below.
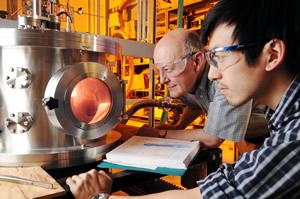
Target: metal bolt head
(20, 69)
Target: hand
(126, 131)
(89, 184)
(146, 130)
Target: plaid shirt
(273, 171)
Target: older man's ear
(199, 60)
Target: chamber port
(91, 100)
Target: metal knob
(50, 102)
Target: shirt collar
(276, 118)
(202, 82)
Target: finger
(102, 172)
(77, 180)
(70, 182)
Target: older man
(180, 62)
(253, 47)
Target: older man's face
(175, 70)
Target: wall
(3, 5)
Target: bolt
(8, 123)
(20, 69)
(82, 52)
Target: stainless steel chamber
(59, 99)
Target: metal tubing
(180, 14)
(139, 23)
(37, 8)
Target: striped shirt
(272, 171)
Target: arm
(269, 172)
(206, 140)
(189, 115)
(87, 185)
(174, 194)
(186, 118)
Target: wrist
(101, 196)
(163, 133)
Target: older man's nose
(162, 78)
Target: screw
(20, 69)
(8, 123)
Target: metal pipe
(149, 103)
(152, 75)
(144, 4)
(180, 14)
(148, 21)
(139, 23)
(37, 8)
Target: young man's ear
(276, 52)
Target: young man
(253, 49)
(180, 62)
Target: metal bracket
(18, 78)
(19, 122)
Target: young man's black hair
(258, 24)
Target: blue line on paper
(167, 145)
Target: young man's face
(237, 80)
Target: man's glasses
(174, 68)
(224, 57)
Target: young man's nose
(214, 74)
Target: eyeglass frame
(235, 47)
(176, 61)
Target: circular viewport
(91, 100)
